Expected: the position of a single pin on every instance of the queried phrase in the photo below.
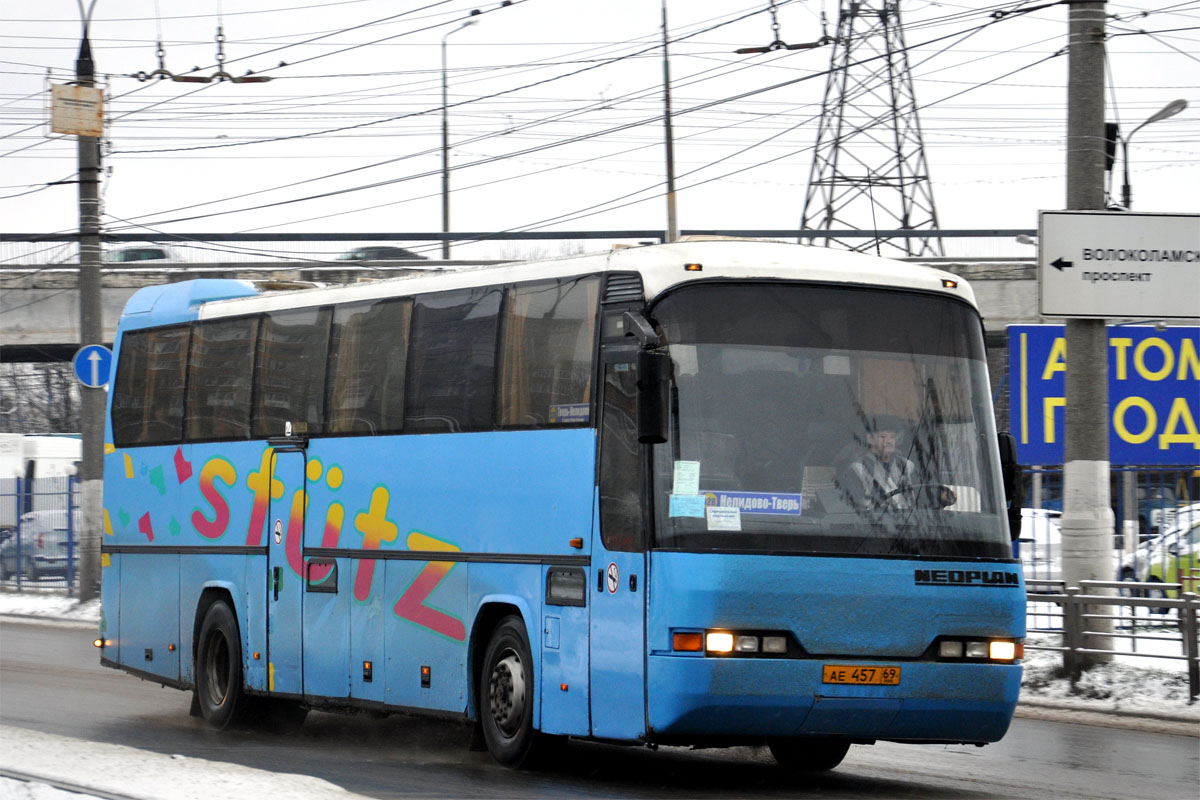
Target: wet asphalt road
(51, 680)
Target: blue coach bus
(619, 497)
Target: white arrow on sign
(94, 357)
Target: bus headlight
(1002, 651)
(980, 650)
(718, 642)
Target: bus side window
(219, 379)
(289, 371)
(148, 392)
(621, 523)
(367, 360)
(548, 335)
(451, 381)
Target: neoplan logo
(965, 577)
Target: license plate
(849, 673)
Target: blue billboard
(1153, 393)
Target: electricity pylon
(869, 170)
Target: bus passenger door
(618, 575)
(285, 583)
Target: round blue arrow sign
(93, 365)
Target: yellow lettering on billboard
(1121, 345)
(1057, 360)
(1139, 359)
(1179, 416)
(1119, 420)
(1188, 361)
(1049, 404)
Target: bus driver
(880, 478)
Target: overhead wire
(527, 151)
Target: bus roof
(661, 267)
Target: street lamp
(446, 145)
(1169, 110)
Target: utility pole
(1087, 520)
(446, 143)
(91, 331)
(672, 223)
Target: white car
(1159, 558)
(1041, 544)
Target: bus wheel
(219, 667)
(801, 754)
(506, 695)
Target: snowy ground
(1132, 686)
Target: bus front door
(618, 575)
(285, 584)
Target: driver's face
(883, 443)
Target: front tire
(219, 682)
(800, 754)
(506, 688)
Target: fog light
(1002, 651)
(774, 644)
(950, 649)
(977, 649)
(719, 642)
(747, 644)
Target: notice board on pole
(1153, 393)
(77, 110)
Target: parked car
(380, 253)
(1156, 509)
(127, 255)
(1041, 544)
(1173, 557)
(38, 547)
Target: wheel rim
(216, 669)
(506, 693)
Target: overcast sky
(548, 94)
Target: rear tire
(801, 754)
(506, 689)
(219, 682)
(31, 571)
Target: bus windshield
(829, 420)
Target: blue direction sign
(93, 365)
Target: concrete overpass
(39, 305)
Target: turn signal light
(688, 642)
(98, 643)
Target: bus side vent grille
(623, 287)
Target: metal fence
(38, 523)
(1156, 536)
(1163, 627)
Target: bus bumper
(745, 697)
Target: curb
(1143, 721)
